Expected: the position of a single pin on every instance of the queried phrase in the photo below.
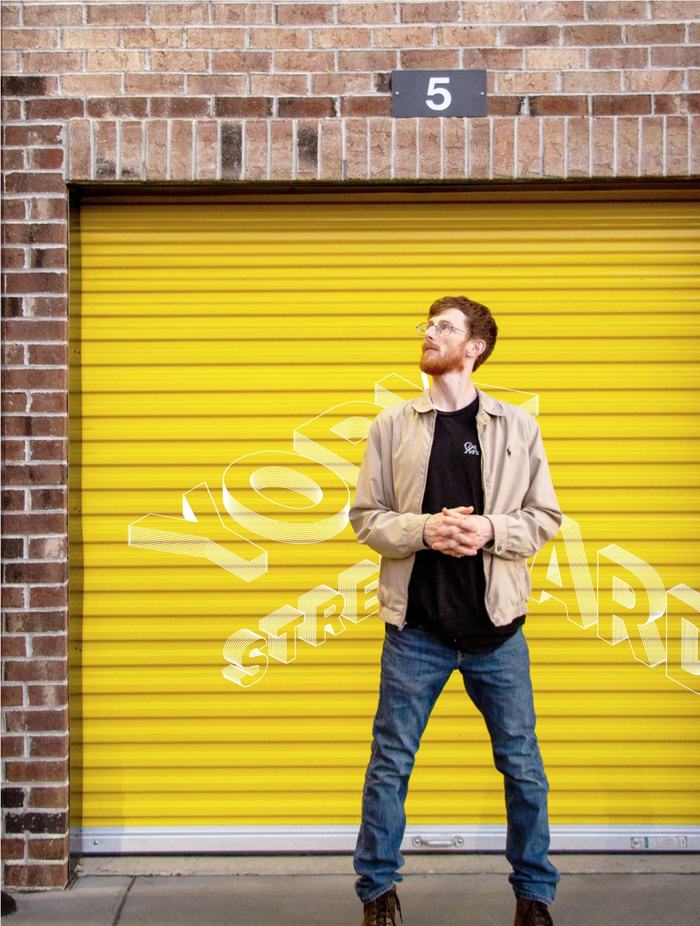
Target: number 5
(434, 90)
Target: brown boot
(531, 913)
(382, 910)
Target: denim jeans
(415, 667)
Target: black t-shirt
(446, 593)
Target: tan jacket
(519, 500)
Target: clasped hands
(457, 532)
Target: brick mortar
(91, 140)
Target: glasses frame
(423, 327)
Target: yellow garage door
(227, 358)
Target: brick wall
(261, 91)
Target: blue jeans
(415, 667)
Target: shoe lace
(382, 911)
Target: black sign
(438, 93)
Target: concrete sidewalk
(438, 890)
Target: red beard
(443, 360)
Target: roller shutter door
(226, 360)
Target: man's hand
(457, 532)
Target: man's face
(443, 353)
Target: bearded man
(455, 494)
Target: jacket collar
(487, 402)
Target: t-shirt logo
(471, 448)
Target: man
(455, 494)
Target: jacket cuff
(500, 533)
(417, 542)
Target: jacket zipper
(422, 493)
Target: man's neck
(452, 391)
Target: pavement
(596, 889)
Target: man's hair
(480, 321)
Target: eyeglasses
(442, 327)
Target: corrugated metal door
(226, 361)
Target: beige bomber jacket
(519, 500)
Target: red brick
(576, 152)
(278, 84)
(41, 670)
(32, 182)
(31, 622)
(591, 81)
(602, 147)
(366, 13)
(429, 148)
(30, 39)
(625, 57)
(46, 158)
(618, 9)
(256, 146)
(356, 142)
(13, 208)
(47, 548)
(627, 147)
(529, 35)
(243, 62)
(455, 143)
(429, 59)
(48, 695)
(555, 58)
(330, 150)
(13, 259)
(48, 306)
(118, 13)
(15, 401)
(456, 35)
(153, 38)
(52, 14)
(35, 876)
(558, 105)
(490, 58)
(29, 330)
(244, 13)
(50, 596)
(628, 105)
(307, 149)
(47, 450)
(286, 38)
(504, 106)
(53, 62)
(48, 499)
(365, 106)
(32, 475)
(425, 12)
(117, 107)
(675, 56)
(240, 107)
(28, 85)
(36, 770)
(217, 85)
(215, 37)
(12, 848)
(10, 14)
(655, 34)
(554, 11)
(90, 38)
(60, 108)
(13, 500)
(13, 646)
(32, 233)
(32, 282)
(155, 84)
(677, 146)
(406, 149)
(184, 13)
(55, 847)
(479, 147)
(179, 60)
(281, 143)
(115, 60)
(342, 38)
(341, 83)
(304, 13)
(367, 60)
(180, 107)
(205, 150)
(593, 35)
(12, 598)
(181, 165)
(677, 104)
(305, 107)
(49, 798)
(529, 158)
(12, 746)
(504, 148)
(11, 110)
(105, 150)
(380, 147)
